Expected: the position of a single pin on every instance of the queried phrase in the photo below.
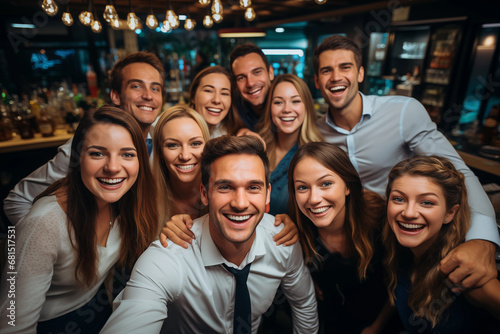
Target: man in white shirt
(379, 131)
(193, 290)
(138, 87)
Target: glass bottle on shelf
(46, 124)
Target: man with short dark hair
(138, 87)
(379, 131)
(253, 75)
(199, 289)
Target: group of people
(247, 144)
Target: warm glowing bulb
(96, 26)
(172, 19)
(151, 21)
(217, 7)
(132, 21)
(86, 18)
(110, 13)
(245, 3)
(204, 2)
(67, 19)
(320, 1)
(189, 24)
(249, 14)
(207, 21)
(49, 7)
(217, 18)
(165, 26)
(115, 23)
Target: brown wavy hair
(232, 122)
(308, 130)
(137, 210)
(359, 224)
(427, 281)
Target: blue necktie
(242, 323)
(149, 144)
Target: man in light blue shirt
(193, 290)
(378, 132)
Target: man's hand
(470, 265)
(177, 230)
(289, 234)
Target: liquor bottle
(46, 124)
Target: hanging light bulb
(320, 1)
(204, 2)
(245, 3)
(151, 21)
(217, 18)
(249, 14)
(217, 7)
(96, 26)
(110, 13)
(172, 19)
(189, 24)
(86, 18)
(132, 21)
(49, 7)
(207, 21)
(66, 18)
(165, 26)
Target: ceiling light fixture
(110, 12)
(132, 19)
(320, 1)
(50, 7)
(207, 21)
(66, 18)
(245, 3)
(151, 20)
(249, 14)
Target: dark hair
(116, 75)
(225, 145)
(137, 208)
(358, 224)
(336, 42)
(232, 122)
(243, 50)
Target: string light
(165, 26)
(217, 18)
(86, 18)
(320, 1)
(50, 7)
(245, 3)
(110, 13)
(151, 20)
(217, 7)
(132, 19)
(204, 2)
(207, 21)
(96, 26)
(66, 18)
(249, 14)
(189, 24)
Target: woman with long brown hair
(103, 213)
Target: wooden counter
(486, 165)
(17, 144)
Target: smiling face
(320, 194)
(182, 144)
(237, 196)
(416, 211)
(253, 79)
(338, 77)
(287, 108)
(141, 93)
(108, 163)
(213, 98)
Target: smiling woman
(103, 213)
(180, 136)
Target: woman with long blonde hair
(179, 138)
(428, 215)
(289, 122)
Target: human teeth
(185, 167)
(145, 108)
(214, 110)
(254, 91)
(336, 88)
(111, 181)
(411, 226)
(287, 119)
(238, 218)
(320, 210)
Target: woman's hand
(289, 234)
(177, 230)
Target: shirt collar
(366, 114)
(210, 253)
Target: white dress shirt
(394, 128)
(189, 291)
